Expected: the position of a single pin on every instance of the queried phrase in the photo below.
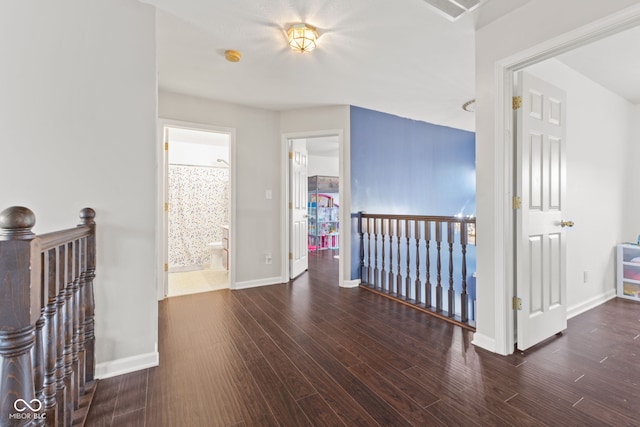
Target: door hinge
(290, 205)
(516, 102)
(516, 202)
(166, 207)
(290, 255)
(291, 154)
(166, 146)
(517, 303)
(166, 267)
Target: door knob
(566, 223)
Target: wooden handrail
(46, 320)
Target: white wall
(257, 169)
(632, 212)
(534, 23)
(78, 114)
(323, 165)
(600, 126)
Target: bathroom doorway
(197, 210)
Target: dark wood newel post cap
(16, 222)
(86, 216)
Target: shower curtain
(198, 207)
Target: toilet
(216, 255)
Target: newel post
(19, 310)
(87, 216)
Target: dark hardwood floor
(311, 353)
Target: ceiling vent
(453, 9)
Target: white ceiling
(400, 57)
(613, 62)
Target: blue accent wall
(403, 166)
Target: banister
(46, 319)
(390, 240)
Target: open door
(298, 195)
(541, 188)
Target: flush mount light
(302, 37)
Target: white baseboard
(590, 303)
(260, 282)
(350, 283)
(485, 342)
(126, 365)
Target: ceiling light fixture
(232, 55)
(302, 37)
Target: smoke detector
(454, 9)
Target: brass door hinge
(517, 303)
(517, 203)
(290, 255)
(166, 207)
(166, 267)
(290, 205)
(166, 146)
(516, 102)
(291, 154)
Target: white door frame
(162, 282)
(504, 185)
(343, 216)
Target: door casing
(504, 268)
(343, 216)
(162, 281)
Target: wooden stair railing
(414, 245)
(46, 321)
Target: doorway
(320, 152)
(581, 275)
(198, 214)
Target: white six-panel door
(540, 236)
(298, 196)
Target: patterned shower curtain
(198, 207)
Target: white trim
(127, 365)
(342, 214)
(577, 309)
(350, 283)
(485, 342)
(259, 282)
(161, 227)
(504, 69)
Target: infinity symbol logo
(37, 405)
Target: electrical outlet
(268, 259)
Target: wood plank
(311, 353)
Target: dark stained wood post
(450, 295)
(407, 282)
(438, 267)
(369, 269)
(361, 233)
(20, 309)
(383, 273)
(464, 297)
(398, 274)
(391, 275)
(87, 216)
(427, 285)
(375, 253)
(418, 285)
